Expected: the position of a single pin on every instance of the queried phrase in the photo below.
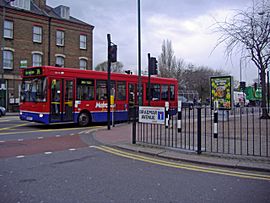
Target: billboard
(221, 91)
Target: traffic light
(153, 66)
(113, 53)
(242, 86)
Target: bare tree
(166, 60)
(249, 32)
(196, 78)
(116, 67)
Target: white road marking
(71, 134)
(20, 140)
(47, 153)
(20, 156)
(57, 135)
(2, 141)
(40, 138)
(72, 149)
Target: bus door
(68, 100)
(56, 97)
(61, 100)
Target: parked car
(2, 111)
(185, 103)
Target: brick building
(35, 34)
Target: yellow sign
(112, 100)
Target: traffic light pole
(149, 76)
(109, 84)
(139, 55)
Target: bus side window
(164, 93)
(121, 91)
(155, 90)
(85, 89)
(101, 90)
(172, 95)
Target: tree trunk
(263, 104)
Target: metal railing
(240, 131)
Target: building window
(37, 34)
(60, 61)
(24, 4)
(60, 38)
(37, 59)
(8, 29)
(82, 41)
(8, 59)
(83, 64)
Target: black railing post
(134, 125)
(199, 130)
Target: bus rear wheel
(84, 119)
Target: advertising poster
(221, 91)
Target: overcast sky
(185, 22)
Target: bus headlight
(41, 115)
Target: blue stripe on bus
(96, 117)
(102, 116)
(34, 117)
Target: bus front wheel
(84, 119)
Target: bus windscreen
(33, 90)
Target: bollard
(179, 117)
(167, 116)
(199, 130)
(216, 119)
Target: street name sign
(153, 115)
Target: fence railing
(240, 131)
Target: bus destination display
(33, 72)
(85, 82)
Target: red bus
(52, 94)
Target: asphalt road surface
(64, 163)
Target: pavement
(120, 137)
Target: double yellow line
(183, 166)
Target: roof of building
(48, 12)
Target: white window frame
(83, 41)
(60, 61)
(8, 63)
(37, 34)
(60, 38)
(8, 29)
(83, 64)
(24, 4)
(37, 58)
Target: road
(65, 164)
